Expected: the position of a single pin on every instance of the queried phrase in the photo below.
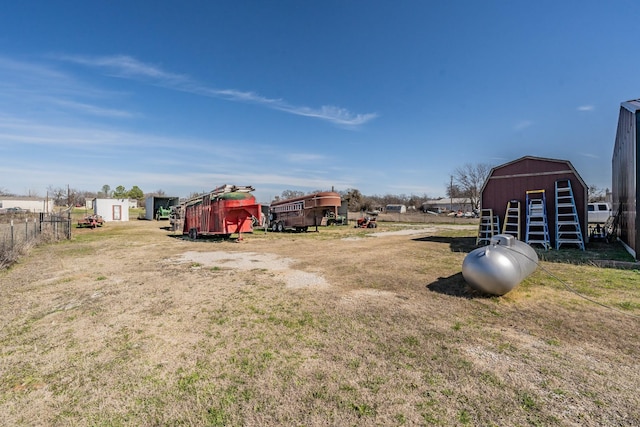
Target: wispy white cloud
(586, 108)
(22, 130)
(35, 87)
(591, 156)
(93, 109)
(304, 157)
(523, 124)
(124, 66)
(129, 67)
(86, 140)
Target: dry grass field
(132, 325)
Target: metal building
(153, 203)
(625, 175)
(512, 180)
(112, 209)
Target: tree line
(67, 196)
(466, 182)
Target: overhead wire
(570, 289)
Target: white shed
(31, 204)
(112, 209)
(396, 209)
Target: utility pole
(451, 193)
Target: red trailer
(226, 210)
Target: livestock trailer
(300, 213)
(226, 210)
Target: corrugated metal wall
(624, 179)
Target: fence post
(12, 235)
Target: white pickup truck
(598, 212)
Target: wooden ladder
(511, 223)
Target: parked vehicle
(163, 213)
(16, 210)
(598, 212)
(91, 221)
(366, 222)
(333, 219)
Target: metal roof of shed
(570, 169)
(632, 105)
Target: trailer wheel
(274, 227)
(193, 233)
(280, 227)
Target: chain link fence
(20, 233)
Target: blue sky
(385, 97)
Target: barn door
(117, 213)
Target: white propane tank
(501, 266)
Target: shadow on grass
(456, 244)
(456, 286)
(596, 253)
(203, 239)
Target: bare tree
(59, 195)
(290, 194)
(353, 198)
(597, 194)
(5, 192)
(83, 196)
(453, 190)
(469, 180)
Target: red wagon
(224, 211)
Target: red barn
(512, 180)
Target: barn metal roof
(632, 105)
(544, 159)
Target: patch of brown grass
(115, 328)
